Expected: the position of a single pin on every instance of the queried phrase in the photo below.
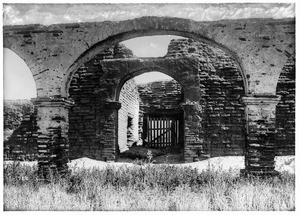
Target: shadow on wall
(20, 131)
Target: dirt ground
(169, 158)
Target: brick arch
(144, 70)
(129, 110)
(150, 26)
(222, 112)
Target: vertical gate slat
(175, 125)
(153, 132)
(149, 131)
(155, 136)
(174, 130)
(164, 122)
(168, 122)
(167, 141)
(160, 130)
(166, 130)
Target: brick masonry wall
(161, 95)
(92, 130)
(285, 111)
(129, 98)
(221, 87)
(214, 128)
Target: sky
(18, 81)
(151, 46)
(16, 14)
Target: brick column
(111, 127)
(53, 126)
(260, 115)
(193, 132)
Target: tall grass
(147, 187)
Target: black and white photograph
(148, 106)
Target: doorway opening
(153, 117)
(163, 130)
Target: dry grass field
(95, 185)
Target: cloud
(67, 13)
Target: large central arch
(157, 29)
(196, 105)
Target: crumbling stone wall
(221, 87)
(161, 95)
(214, 115)
(221, 115)
(285, 112)
(54, 53)
(128, 115)
(92, 119)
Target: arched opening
(18, 80)
(152, 102)
(19, 116)
(150, 46)
(211, 81)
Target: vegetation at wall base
(145, 187)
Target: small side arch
(17, 73)
(141, 71)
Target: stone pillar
(53, 126)
(260, 115)
(193, 132)
(111, 128)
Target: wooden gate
(163, 131)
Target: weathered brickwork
(213, 127)
(128, 115)
(93, 116)
(285, 112)
(161, 95)
(52, 134)
(221, 87)
(66, 60)
(260, 131)
(54, 53)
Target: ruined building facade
(233, 75)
